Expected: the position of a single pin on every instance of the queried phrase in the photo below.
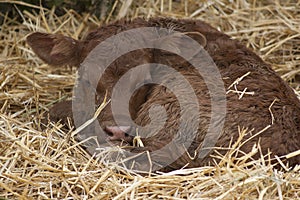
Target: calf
(254, 96)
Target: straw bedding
(50, 164)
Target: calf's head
(58, 50)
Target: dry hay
(36, 164)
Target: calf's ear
(55, 49)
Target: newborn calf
(255, 97)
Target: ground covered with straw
(49, 164)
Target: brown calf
(260, 101)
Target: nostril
(109, 132)
(117, 133)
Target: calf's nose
(119, 133)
